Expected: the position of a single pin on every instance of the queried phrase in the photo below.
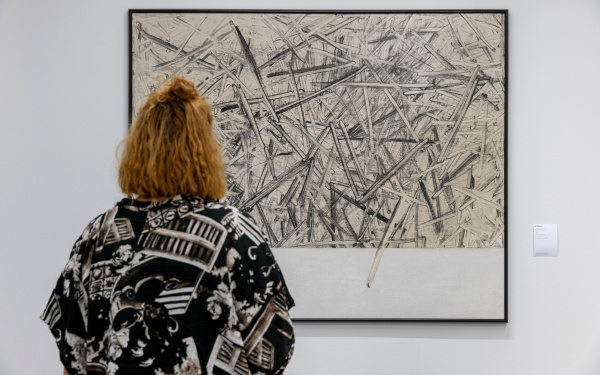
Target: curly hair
(171, 148)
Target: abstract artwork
(346, 132)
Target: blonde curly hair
(171, 148)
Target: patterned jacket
(182, 286)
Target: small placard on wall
(545, 240)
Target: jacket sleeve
(66, 310)
(261, 300)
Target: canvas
(369, 146)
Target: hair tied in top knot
(179, 89)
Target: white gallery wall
(63, 110)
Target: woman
(172, 281)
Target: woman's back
(180, 286)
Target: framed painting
(370, 147)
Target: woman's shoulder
(230, 216)
(219, 210)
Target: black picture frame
(501, 315)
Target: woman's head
(171, 148)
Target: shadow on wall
(453, 331)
